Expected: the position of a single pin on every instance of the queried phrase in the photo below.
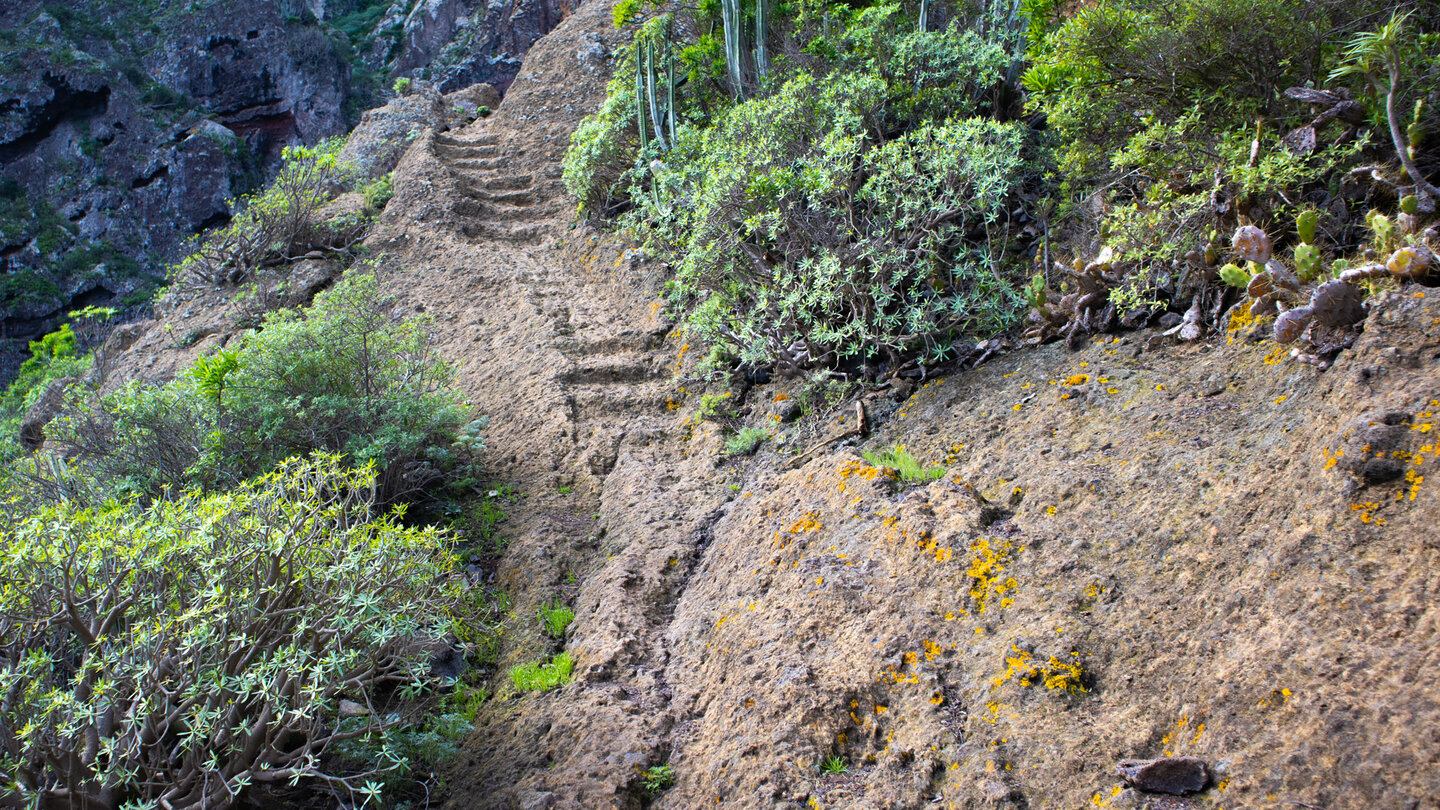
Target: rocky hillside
(127, 128)
(1136, 549)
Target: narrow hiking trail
(558, 336)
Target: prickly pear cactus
(1233, 275)
(1252, 243)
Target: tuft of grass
(659, 778)
(539, 677)
(834, 764)
(555, 618)
(911, 470)
(746, 441)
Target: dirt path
(557, 336)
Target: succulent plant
(1382, 227)
(1261, 285)
(1410, 204)
(1235, 276)
(1307, 261)
(1292, 323)
(1252, 243)
(1305, 225)
(1410, 262)
(1337, 304)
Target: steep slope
(1170, 524)
(1200, 549)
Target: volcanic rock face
(123, 134)
(126, 128)
(460, 42)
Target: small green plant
(746, 441)
(543, 677)
(402, 86)
(910, 469)
(565, 489)
(834, 764)
(378, 192)
(710, 406)
(555, 618)
(1307, 254)
(482, 111)
(659, 778)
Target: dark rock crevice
(67, 103)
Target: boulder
(1174, 775)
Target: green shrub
(402, 86)
(910, 469)
(52, 357)
(543, 677)
(712, 406)
(1119, 67)
(174, 654)
(278, 223)
(555, 618)
(378, 192)
(345, 376)
(746, 441)
(848, 208)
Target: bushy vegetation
(746, 441)
(867, 186)
(52, 357)
(843, 202)
(280, 222)
(173, 655)
(1173, 123)
(345, 376)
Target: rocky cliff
(1133, 552)
(126, 128)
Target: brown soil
(1206, 532)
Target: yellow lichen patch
(1333, 458)
(1055, 674)
(1239, 319)
(986, 571)
(1367, 512)
(1276, 355)
(862, 470)
(1077, 379)
(808, 522)
(1414, 479)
